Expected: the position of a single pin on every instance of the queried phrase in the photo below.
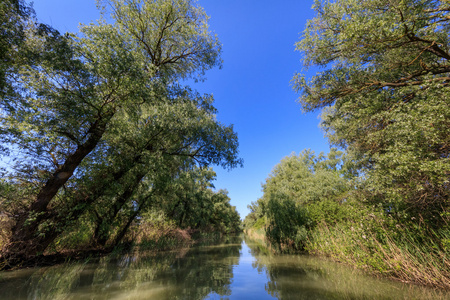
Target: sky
(252, 91)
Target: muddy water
(234, 268)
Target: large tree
(95, 114)
(385, 86)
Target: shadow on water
(234, 268)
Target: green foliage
(168, 31)
(329, 211)
(188, 200)
(259, 224)
(385, 86)
(306, 178)
(287, 223)
(78, 236)
(101, 125)
(384, 92)
(14, 15)
(300, 192)
(155, 231)
(256, 215)
(346, 225)
(350, 229)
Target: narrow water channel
(235, 268)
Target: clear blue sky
(251, 91)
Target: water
(235, 268)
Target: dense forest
(380, 199)
(104, 142)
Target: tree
(385, 89)
(295, 193)
(189, 200)
(95, 114)
(306, 178)
(255, 214)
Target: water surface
(234, 268)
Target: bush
(157, 232)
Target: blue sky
(251, 91)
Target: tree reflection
(203, 271)
(186, 274)
(305, 277)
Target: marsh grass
(404, 255)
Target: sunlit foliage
(98, 121)
(301, 191)
(384, 84)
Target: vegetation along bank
(107, 145)
(381, 202)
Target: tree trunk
(26, 240)
(127, 226)
(104, 226)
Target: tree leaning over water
(384, 85)
(100, 117)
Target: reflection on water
(305, 277)
(235, 268)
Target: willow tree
(384, 85)
(293, 192)
(188, 199)
(94, 111)
(152, 149)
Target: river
(234, 268)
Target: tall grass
(404, 254)
(156, 232)
(256, 234)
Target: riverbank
(152, 241)
(316, 204)
(231, 267)
(402, 254)
(400, 260)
